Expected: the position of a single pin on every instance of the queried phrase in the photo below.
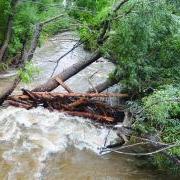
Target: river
(42, 145)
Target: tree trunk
(52, 83)
(9, 90)
(103, 86)
(9, 30)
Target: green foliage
(91, 11)
(145, 44)
(27, 14)
(24, 20)
(90, 14)
(163, 112)
(4, 12)
(26, 74)
(48, 9)
(54, 28)
(161, 116)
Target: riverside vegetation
(142, 39)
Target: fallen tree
(52, 96)
(53, 83)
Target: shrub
(160, 117)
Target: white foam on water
(44, 132)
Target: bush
(146, 46)
(160, 117)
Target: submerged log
(77, 103)
(103, 86)
(20, 104)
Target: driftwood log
(84, 105)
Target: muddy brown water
(42, 145)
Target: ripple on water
(37, 133)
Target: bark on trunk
(103, 86)
(34, 43)
(9, 30)
(51, 84)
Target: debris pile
(87, 105)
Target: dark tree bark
(8, 31)
(52, 83)
(103, 86)
(9, 90)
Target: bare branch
(148, 153)
(72, 49)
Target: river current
(42, 145)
